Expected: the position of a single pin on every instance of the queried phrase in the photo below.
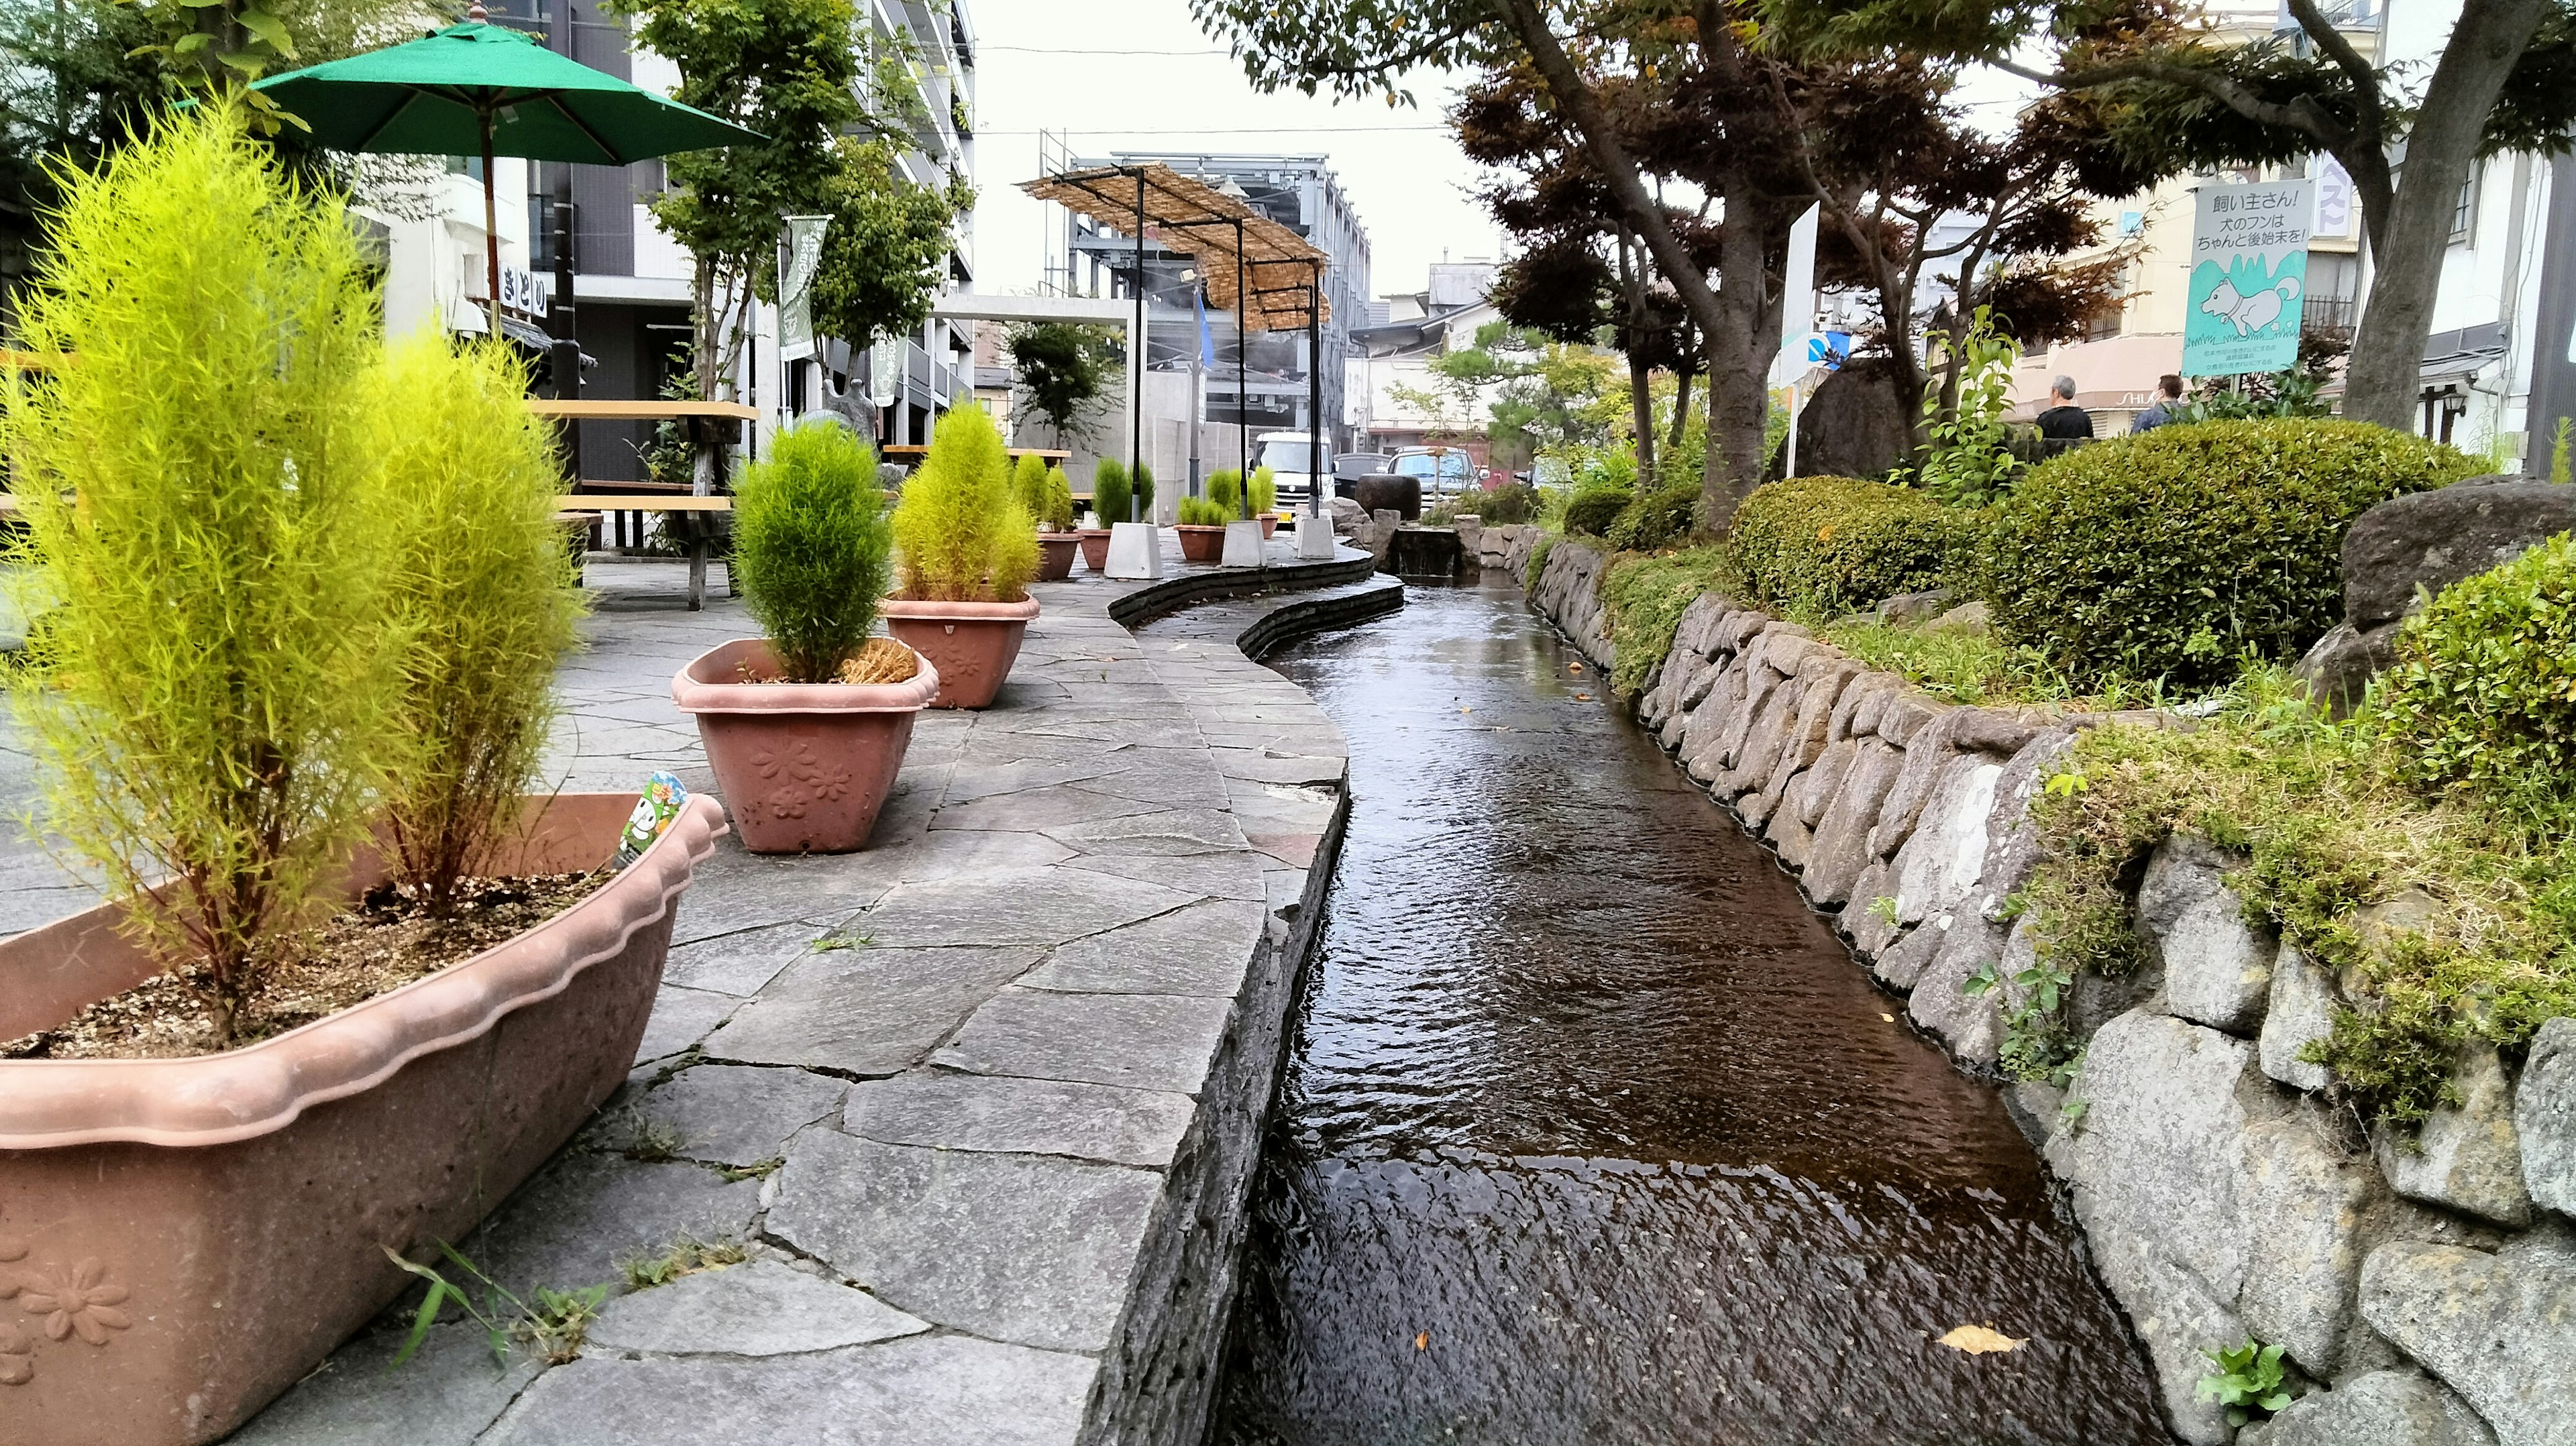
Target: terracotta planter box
(1055, 555)
(1095, 547)
(1202, 544)
(1269, 525)
(803, 767)
(183, 1239)
(972, 644)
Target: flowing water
(1594, 1133)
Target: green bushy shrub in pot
(806, 726)
(965, 553)
(1202, 528)
(1047, 498)
(1109, 495)
(2174, 553)
(1823, 546)
(300, 608)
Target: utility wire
(1210, 130)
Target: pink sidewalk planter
(183, 1239)
(973, 644)
(803, 767)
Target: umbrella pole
(491, 226)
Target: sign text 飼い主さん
(2249, 267)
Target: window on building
(2464, 211)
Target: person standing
(2065, 421)
(2169, 395)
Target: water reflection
(1594, 1134)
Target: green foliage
(2293, 393)
(1592, 510)
(1204, 512)
(2246, 1381)
(2484, 689)
(212, 690)
(960, 532)
(1823, 546)
(1969, 458)
(1110, 491)
(1956, 665)
(2559, 440)
(1066, 368)
(553, 1326)
(1265, 491)
(2331, 825)
(1029, 484)
(484, 590)
(685, 1256)
(886, 251)
(2036, 1043)
(1225, 489)
(1647, 596)
(2170, 554)
(1058, 513)
(810, 545)
(1654, 520)
(1536, 567)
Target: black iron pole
(1315, 388)
(1242, 345)
(1136, 408)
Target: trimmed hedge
(2484, 690)
(2170, 554)
(1592, 510)
(1824, 546)
(1655, 519)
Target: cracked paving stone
(759, 1308)
(1036, 809)
(1157, 1042)
(1022, 907)
(1169, 831)
(681, 1017)
(1202, 949)
(1219, 876)
(1005, 1114)
(916, 1391)
(738, 963)
(580, 1218)
(866, 1011)
(732, 1114)
(1022, 1248)
(444, 1396)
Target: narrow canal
(1593, 1133)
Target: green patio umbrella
(488, 90)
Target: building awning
(1280, 269)
(520, 331)
(2454, 358)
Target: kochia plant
(809, 542)
(485, 590)
(213, 686)
(1029, 483)
(1057, 514)
(960, 532)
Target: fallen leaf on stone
(1574, 667)
(1890, 1018)
(1582, 697)
(1978, 1340)
(1422, 1342)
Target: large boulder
(2499, 1329)
(2466, 1157)
(2218, 972)
(2307, 1206)
(1939, 864)
(2430, 540)
(2381, 1408)
(2544, 1115)
(1855, 425)
(1840, 850)
(1385, 491)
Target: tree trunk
(1641, 400)
(1740, 350)
(703, 360)
(2383, 382)
(1681, 411)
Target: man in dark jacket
(2064, 421)
(2168, 394)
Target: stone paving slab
(968, 1101)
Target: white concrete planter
(1314, 537)
(1135, 550)
(1242, 545)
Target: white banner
(803, 257)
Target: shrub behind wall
(1823, 546)
(2172, 553)
(2484, 691)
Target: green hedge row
(1823, 546)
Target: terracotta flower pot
(1269, 525)
(1055, 556)
(973, 644)
(183, 1239)
(1202, 544)
(1095, 547)
(803, 767)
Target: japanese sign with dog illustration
(2249, 267)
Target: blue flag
(1207, 343)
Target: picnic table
(623, 498)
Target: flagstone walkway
(979, 1104)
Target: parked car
(1442, 471)
(1291, 459)
(1350, 467)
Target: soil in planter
(381, 943)
(878, 660)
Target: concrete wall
(2223, 1191)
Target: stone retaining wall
(2431, 1284)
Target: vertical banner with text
(2249, 267)
(803, 257)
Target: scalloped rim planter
(802, 767)
(204, 1231)
(973, 644)
(1055, 555)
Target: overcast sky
(1049, 64)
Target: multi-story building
(631, 283)
(1395, 398)
(1300, 192)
